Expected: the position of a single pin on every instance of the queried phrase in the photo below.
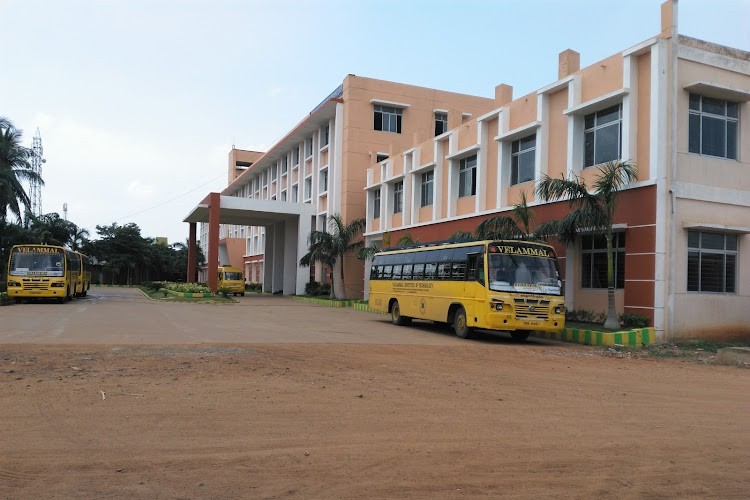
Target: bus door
(474, 282)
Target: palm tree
(78, 237)
(407, 240)
(331, 247)
(515, 226)
(590, 211)
(14, 168)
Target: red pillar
(214, 208)
(191, 254)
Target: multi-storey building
(274, 199)
(675, 106)
(429, 163)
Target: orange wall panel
(644, 116)
(523, 111)
(601, 78)
(558, 135)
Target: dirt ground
(356, 421)
(476, 419)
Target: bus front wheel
(396, 317)
(460, 326)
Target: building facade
(428, 163)
(677, 108)
(319, 167)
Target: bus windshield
(36, 264)
(524, 273)
(229, 276)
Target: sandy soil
(337, 420)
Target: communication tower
(35, 187)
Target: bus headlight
(559, 309)
(13, 283)
(57, 285)
(496, 305)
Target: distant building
(428, 163)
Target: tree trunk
(343, 286)
(333, 291)
(612, 321)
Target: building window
(295, 156)
(398, 197)
(381, 157)
(308, 188)
(308, 146)
(426, 188)
(283, 196)
(284, 165)
(323, 187)
(376, 205)
(603, 136)
(713, 127)
(273, 172)
(264, 178)
(441, 123)
(295, 190)
(387, 119)
(325, 135)
(712, 262)
(467, 177)
(523, 154)
(594, 260)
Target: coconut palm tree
(14, 168)
(516, 226)
(591, 211)
(329, 247)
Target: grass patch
(161, 297)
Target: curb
(325, 302)
(635, 337)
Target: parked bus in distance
(44, 272)
(509, 286)
(83, 280)
(232, 279)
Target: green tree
(590, 211)
(329, 247)
(517, 226)
(52, 229)
(123, 251)
(407, 240)
(14, 168)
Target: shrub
(312, 288)
(584, 316)
(629, 320)
(325, 289)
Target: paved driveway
(126, 316)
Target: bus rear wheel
(520, 335)
(460, 325)
(396, 317)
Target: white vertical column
(575, 129)
(481, 197)
(630, 109)
(303, 229)
(541, 157)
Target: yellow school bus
(231, 278)
(44, 271)
(509, 286)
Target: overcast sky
(139, 101)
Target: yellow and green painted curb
(324, 302)
(634, 337)
(365, 307)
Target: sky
(139, 102)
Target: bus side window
(475, 270)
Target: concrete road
(126, 316)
